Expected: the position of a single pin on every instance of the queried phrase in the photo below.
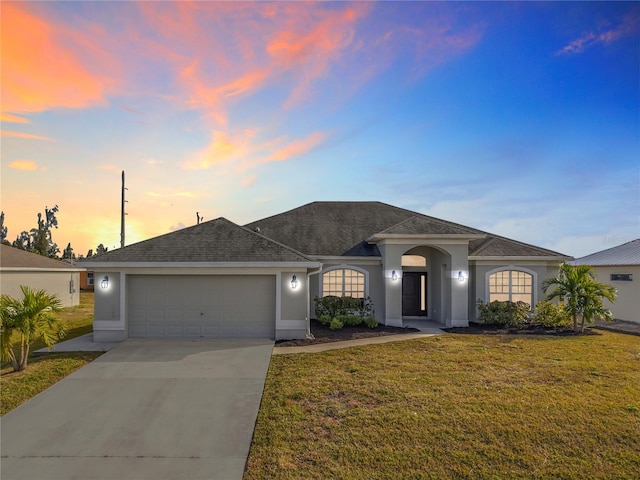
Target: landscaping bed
(323, 334)
(522, 329)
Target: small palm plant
(30, 319)
(582, 295)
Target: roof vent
(258, 229)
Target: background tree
(31, 318)
(68, 252)
(40, 239)
(101, 249)
(576, 287)
(23, 242)
(3, 230)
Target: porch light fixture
(394, 276)
(294, 282)
(105, 282)
(460, 276)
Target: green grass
(454, 406)
(42, 372)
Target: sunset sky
(522, 119)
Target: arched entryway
(426, 293)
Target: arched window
(511, 285)
(344, 282)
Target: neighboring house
(221, 279)
(86, 280)
(619, 267)
(19, 267)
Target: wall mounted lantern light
(105, 282)
(294, 282)
(460, 276)
(394, 275)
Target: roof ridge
(275, 242)
(485, 242)
(428, 218)
(492, 236)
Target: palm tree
(31, 318)
(582, 295)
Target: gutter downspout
(309, 335)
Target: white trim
(123, 300)
(344, 266)
(357, 260)
(534, 283)
(107, 325)
(112, 265)
(284, 324)
(40, 269)
(278, 299)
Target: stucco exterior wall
(65, 284)
(293, 309)
(627, 304)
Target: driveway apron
(148, 409)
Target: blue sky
(522, 119)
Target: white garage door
(202, 306)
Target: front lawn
(42, 372)
(478, 406)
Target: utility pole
(122, 214)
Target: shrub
(350, 320)
(336, 306)
(371, 322)
(336, 324)
(503, 313)
(551, 315)
(325, 320)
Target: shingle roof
(496, 246)
(332, 228)
(625, 254)
(214, 241)
(342, 228)
(11, 257)
(422, 224)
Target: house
(219, 279)
(19, 267)
(86, 281)
(619, 267)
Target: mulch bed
(324, 334)
(526, 329)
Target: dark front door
(414, 294)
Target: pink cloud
(26, 165)
(26, 136)
(297, 147)
(6, 117)
(630, 25)
(47, 65)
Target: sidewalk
(620, 326)
(84, 343)
(324, 347)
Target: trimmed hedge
(503, 313)
(337, 312)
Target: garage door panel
(201, 306)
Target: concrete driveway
(148, 409)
